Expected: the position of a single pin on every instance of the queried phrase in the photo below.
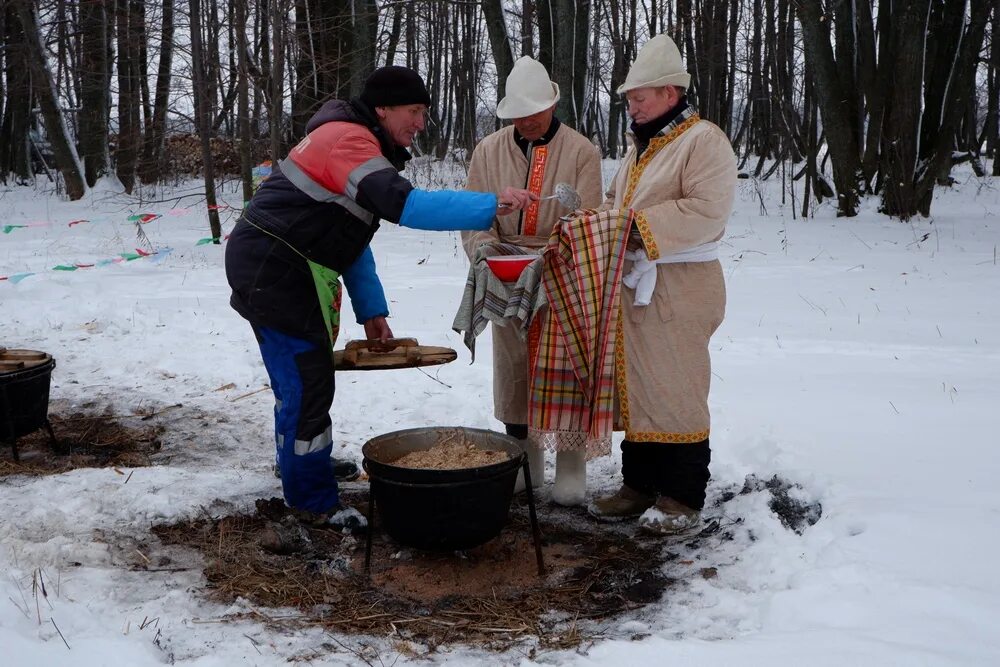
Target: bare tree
(14, 138)
(857, 98)
(834, 107)
(243, 99)
(129, 137)
(496, 27)
(563, 28)
(95, 93)
(278, 10)
(990, 125)
(202, 119)
(394, 33)
(621, 22)
(63, 147)
(152, 145)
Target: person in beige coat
(536, 152)
(679, 178)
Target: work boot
(343, 470)
(339, 516)
(625, 503)
(348, 518)
(668, 517)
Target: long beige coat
(497, 163)
(682, 192)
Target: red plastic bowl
(509, 267)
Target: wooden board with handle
(371, 355)
(17, 360)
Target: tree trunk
(527, 28)
(55, 126)
(335, 41)
(243, 99)
(210, 58)
(361, 34)
(262, 91)
(546, 34)
(563, 28)
(202, 119)
(15, 155)
(412, 53)
(276, 112)
(503, 58)
(955, 85)
(127, 151)
(833, 108)
(901, 134)
(140, 45)
(993, 115)
(152, 146)
(94, 90)
(394, 33)
(875, 79)
(621, 24)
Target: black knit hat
(393, 86)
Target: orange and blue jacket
(323, 203)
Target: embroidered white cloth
(642, 276)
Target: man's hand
(514, 199)
(378, 329)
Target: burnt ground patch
(84, 440)
(490, 596)
(787, 501)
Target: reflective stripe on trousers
(301, 374)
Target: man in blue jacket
(309, 225)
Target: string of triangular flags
(260, 172)
(155, 256)
(141, 218)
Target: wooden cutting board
(366, 355)
(19, 360)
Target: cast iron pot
(24, 399)
(441, 510)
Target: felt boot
(570, 488)
(536, 467)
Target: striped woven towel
(488, 299)
(571, 396)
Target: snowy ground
(858, 359)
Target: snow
(858, 360)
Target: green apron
(329, 291)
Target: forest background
(839, 99)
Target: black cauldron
(441, 510)
(25, 378)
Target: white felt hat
(658, 64)
(529, 90)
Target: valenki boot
(570, 488)
(536, 467)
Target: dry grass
(83, 441)
(489, 596)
